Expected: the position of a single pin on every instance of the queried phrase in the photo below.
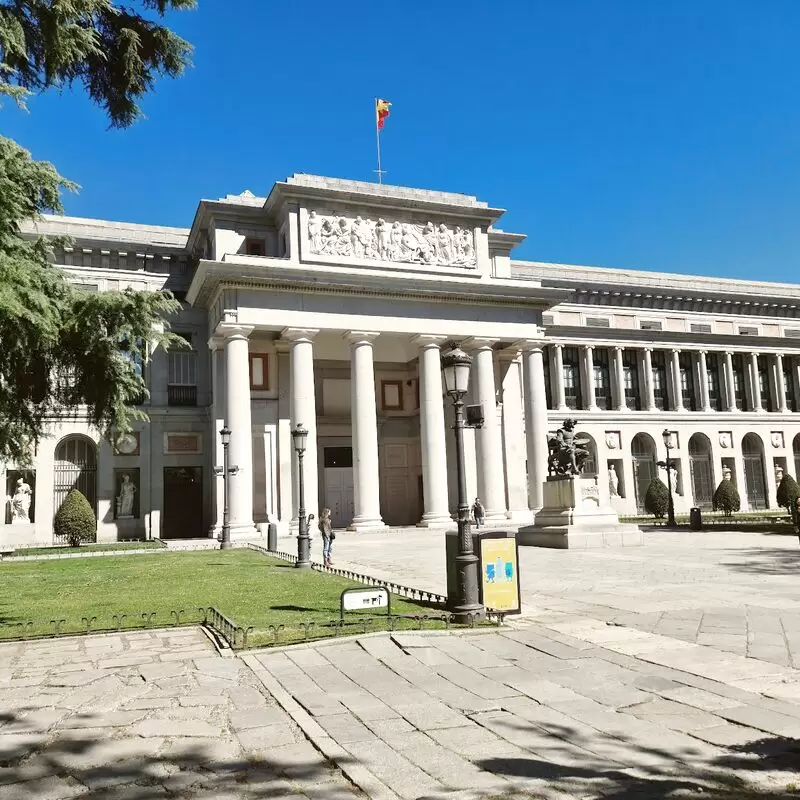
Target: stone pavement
(149, 714)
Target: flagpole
(378, 140)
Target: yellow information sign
(500, 579)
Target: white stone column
(780, 385)
(755, 385)
(286, 454)
(488, 439)
(238, 420)
(648, 379)
(215, 345)
(620, 404)
(675, 374)
(557, 374)
(590, 397)
(535, 421)
(705, 399)
(364, 421)
(432, 433)
(514, 447)
(730, 383)
(303, 408)
(795, 367)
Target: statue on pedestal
(125, 498)
(21, 502)
(566, 453)
(613, 481)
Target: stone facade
(327, 303)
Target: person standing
(326, 529)
(478, 512)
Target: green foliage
(114, 52)
(62, 347)
(656, 499)
(726, 498)
(787, 493)
(75, 521)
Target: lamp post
(669, 465)
(455, 372)
(225, 470)
(299, 437)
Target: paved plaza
(655, 672)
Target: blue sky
(629, 133)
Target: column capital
(676, 351)
(429, 339)
(282, 346)
(480, 343)
(360, 337)
(529, 345)
(216, 343)
(647, 349)
(229, 331)
(588, 346)
(299, 334)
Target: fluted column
(558, 375)
(303, 408)
(780, 385)
(364, 420)
(535, 420)
(238, 420)
(432, 433)
(488, 441)
(675, 374)
(755, 384)
(216, 345)
(648, 379)
(730, 383)
(705, 399)
(619, 379)
(794, 366)
(514, 446)
(588, 367)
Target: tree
(63, 347)
(726, 498)
(75, 521)
(656, 499)
(788, 492)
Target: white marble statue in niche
(21, 502)
(379, 240)
(613, 481)
(125, 498)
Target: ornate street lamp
(455, 374)
(299, 438)
(669, 465)
(225, 470)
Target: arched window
(754, 480)
(701, 470)
(643, 453)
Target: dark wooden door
(182, 517)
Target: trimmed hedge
(726, 498)
(787, 493)
(75, 521)
(656, 499)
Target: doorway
(754, 479)
(338, 482)
(701, 471)
(182, 516)
(643, 453)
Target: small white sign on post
(365, 599)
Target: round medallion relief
(127, 444)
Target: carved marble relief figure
(378, 240)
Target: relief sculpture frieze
(379, 240)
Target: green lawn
(252, 589)
(109, 547)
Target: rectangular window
(598, 322)
(763, 384)
(392, 395)
(630, 374)
(687, 382)
(714, 383)
(650, 325)
(602, 378)
(700, 327)
(548, 388)
(739, 391)
(659, 369)
(788, 383)
(259, 371)
(254, 247)
(136, 360)
(182, 381)
(572, 378)
(748, 330)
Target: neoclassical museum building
(328, 303)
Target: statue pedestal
(574, 517)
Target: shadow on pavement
(765, 561)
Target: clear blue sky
(631, 133)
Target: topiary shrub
(726, 498)
(656, 500)
(75, 521)
(787, 493)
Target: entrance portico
(363, 335)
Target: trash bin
(695, 519)
(272, 537)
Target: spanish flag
(381, 111)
